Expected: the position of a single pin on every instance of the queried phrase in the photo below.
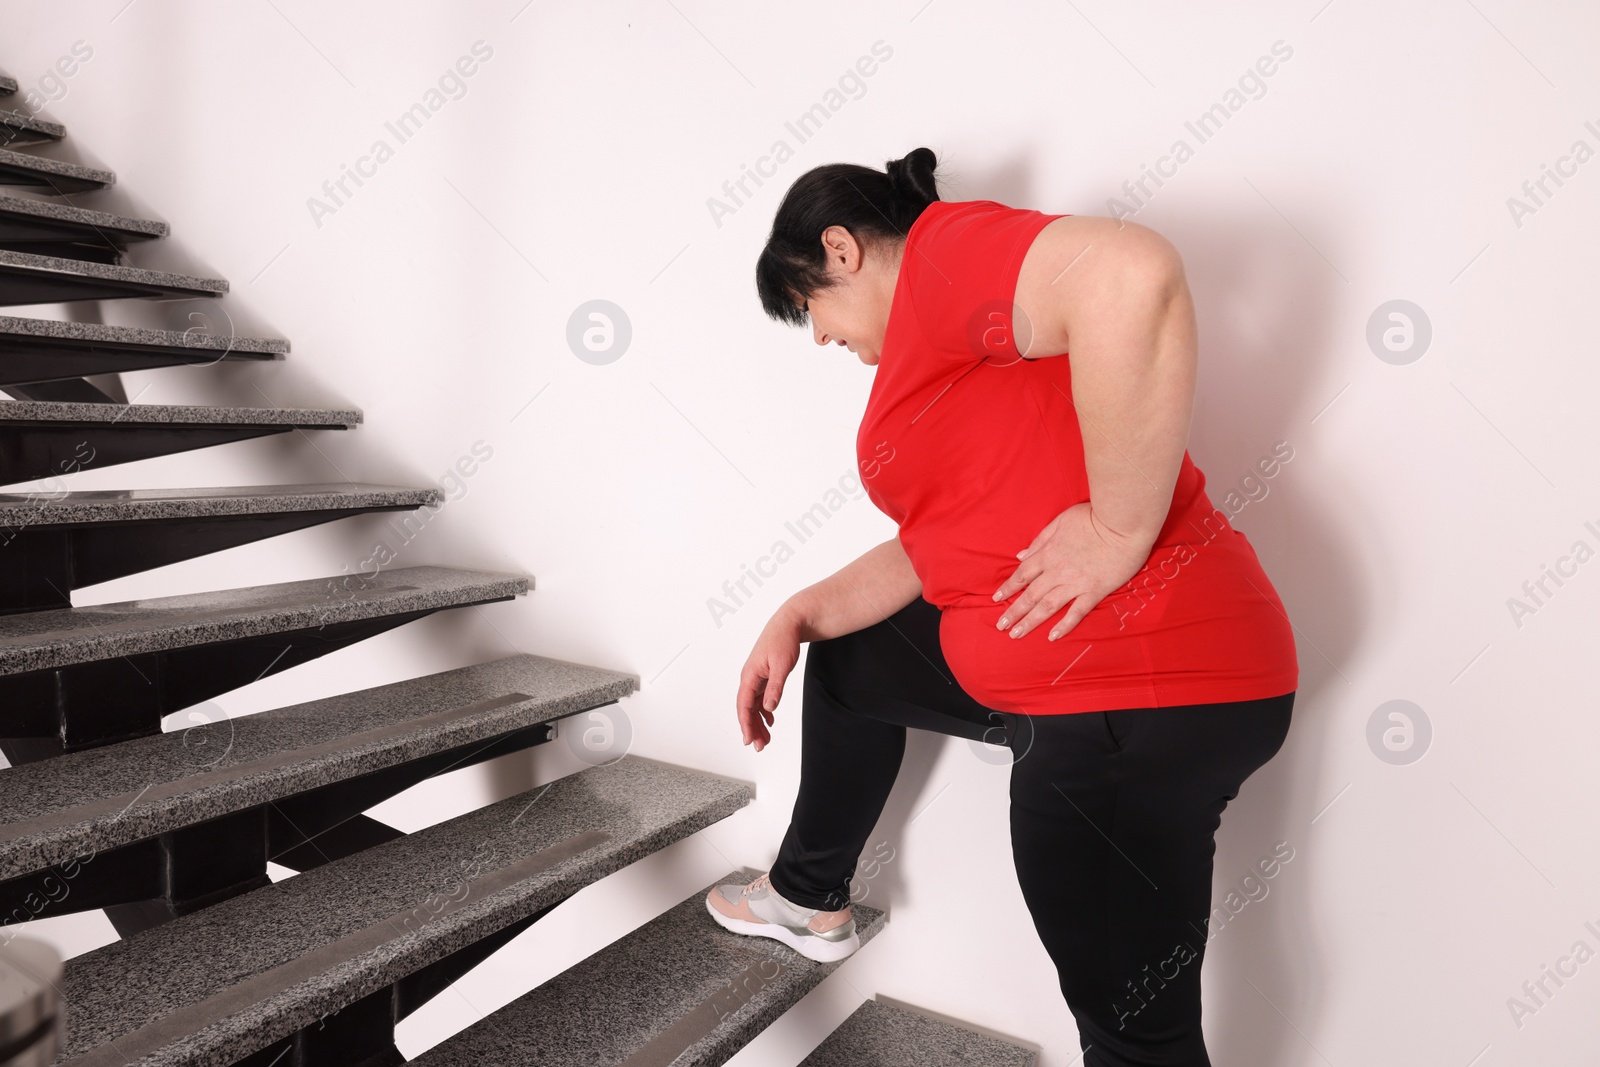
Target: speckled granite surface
(14, 330)
(61, 411)
(55, 168)
(19, 510)
(679, 990)
(54, 811)
(208, 988)
(59, 636)
(885, 1035)
(8, 84)
(25, 128)
(100, 220)
(156, 279)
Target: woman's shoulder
(961, 257)
(975, 227)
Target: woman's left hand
(1074, 559)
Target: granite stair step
(49, 350)
(678, 991)
(77, 678)
(8, 85)
(26, 278)
(55, 543)
(50, 176)
(18, 127)
(52, 439)
(362, 941)
(294, 780)
(47, 227)
(878, 1034)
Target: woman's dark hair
(874, 205)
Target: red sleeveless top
(972, 450)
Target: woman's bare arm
(861, 593)
(1114, 293)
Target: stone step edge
(112, 507)
(882, 1031)
(10, 157)
(550, 689)
(92, 334)
(255, 611)
(704, 1032)
(73, 215)
(83, 268)
(449, 910)
(174, 414)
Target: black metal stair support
(333, 956)
(53, 544)
(34, 351)
(74, 678)
(42, 439)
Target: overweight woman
(1060, 584)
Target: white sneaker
(756, 908)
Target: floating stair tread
(211, 987)
(67, 271)
(679, 990)
(174, 414)
(58, 637)
(28, 129)
(22, 168)
(884, 1035)
(16, 206)
(15, 332)
(104, 506)
(102, 798)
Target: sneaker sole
(811, 947)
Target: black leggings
(1112, 821)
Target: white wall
(1375, 166)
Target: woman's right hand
(776, 652)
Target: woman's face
(854, 310)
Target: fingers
(749, 692)
(1079, 611)
(1025, 604)
(757, 699)
(1041, 610)
(1025, 573)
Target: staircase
(170, 833)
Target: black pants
(1112, 821)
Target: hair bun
(912, 177)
